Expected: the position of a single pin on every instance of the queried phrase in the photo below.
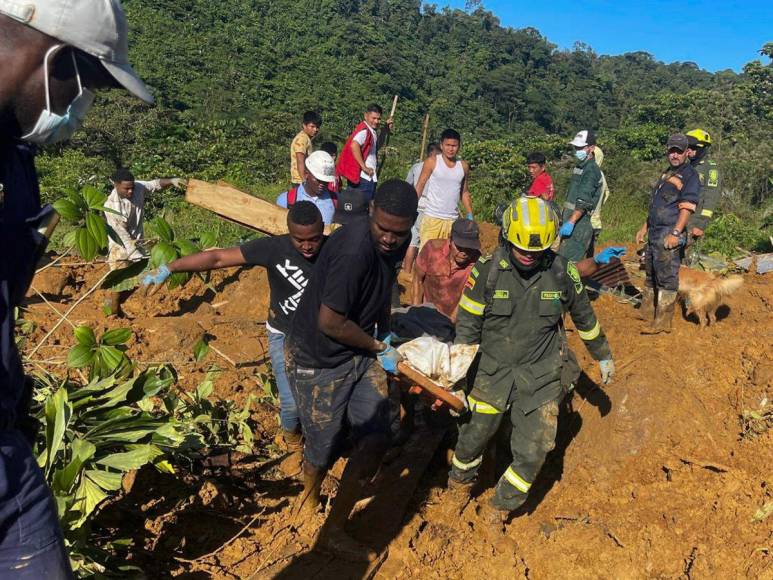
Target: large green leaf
(86, 244)
(163, 229)
(201, 348)
(81, 451)
(110, 357)
(85, 336)
(162, 253)
(80, 356)
(114, 396)
(207, 240)
(107, 480)
(116, 336)
(87, 497)
(94, 198)
(186, 247)
(133, 459)
(95, 223)
(125, 278)
(57, 411)
(67, 209)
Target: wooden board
(429, 386)
(237, 206)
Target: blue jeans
(31, 544)
(367, 187)
(288, 411)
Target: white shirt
(372, 158)
(413, 178)
(443, 190)
(129, 222)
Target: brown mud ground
(656, 475)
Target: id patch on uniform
(571, 269)
(550, 295)
(470, 283)
(503, 294)
(713, 178)
(474, 272)
(503, 263)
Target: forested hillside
(232, 78)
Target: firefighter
(674, 198)
(699, 142)
(512, 306)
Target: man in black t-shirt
(332, 351)
(288, 260)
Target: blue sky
(714, 34)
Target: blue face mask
(581, 154)
(52, 127)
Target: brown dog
(703, 292)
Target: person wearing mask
(51, 65)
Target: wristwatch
(676, 233)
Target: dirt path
(655, 476)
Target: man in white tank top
(442, 184)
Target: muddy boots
(292, 443)
(112, 306)
(458, 496)
(647, 306)
(664, 313)
(308, 502)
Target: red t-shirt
(542, 186)
(444, 281)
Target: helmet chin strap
(700, 152)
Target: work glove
(566, 229)
(605, 255)
(469, 216)
(607, 367)
(389, 357)
(157, 276)
(179, 182)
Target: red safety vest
(347, 166)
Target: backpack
(292, 197)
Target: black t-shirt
(351, 278)
(288, 275)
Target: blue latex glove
(566, 229)
(469, 216)
(389, 357)
(161, 274)
(607, 370)
(605, 255)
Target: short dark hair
(374, 108)
(303, 213)
(330, 148)
(397, 197)
(433, 148)
(121, 174)
(450, 134)
(536, 157)
(312, 117)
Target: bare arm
(576, 215)
(466, 197)
(209, 260)
(343, 330)
(641, 233)
(357, 154)
(300, 159)
(426, 171)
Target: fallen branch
(69, 310)
(51, 306)
(222, 547)
(67, 251)
(706, 464)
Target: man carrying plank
(332, 352)
(289, 260)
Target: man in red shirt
(443, 266)
(542, 184)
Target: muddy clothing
(31, 541)
(677, 189)
(583, 194)
(288, 274)
(711, 191)
(351, 278)
(516, 317)
(128, 222)
(352, 396)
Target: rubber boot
(359, 469)
(292, 442)
(664, 313)
(112, 305)
(647, 306)
(308, 502)
(458, 496)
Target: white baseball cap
(584, 138)
(321, 166)
(97, 27)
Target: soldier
(674, 198)
(699, 142)
(512, 306)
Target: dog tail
(726, 286)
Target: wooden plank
(237, 206)
(430, 386)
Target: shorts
(415, 237)
(434, 229)
(352, 398)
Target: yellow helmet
(530, 224)
(702, 137)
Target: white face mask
(52, 128)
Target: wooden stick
(394, 106)
(424, 132)
(430, 386)
(67, 251)
(51, 306)
(69, 310)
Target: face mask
(52, 128)
(581, 154)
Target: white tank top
(443, 190)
